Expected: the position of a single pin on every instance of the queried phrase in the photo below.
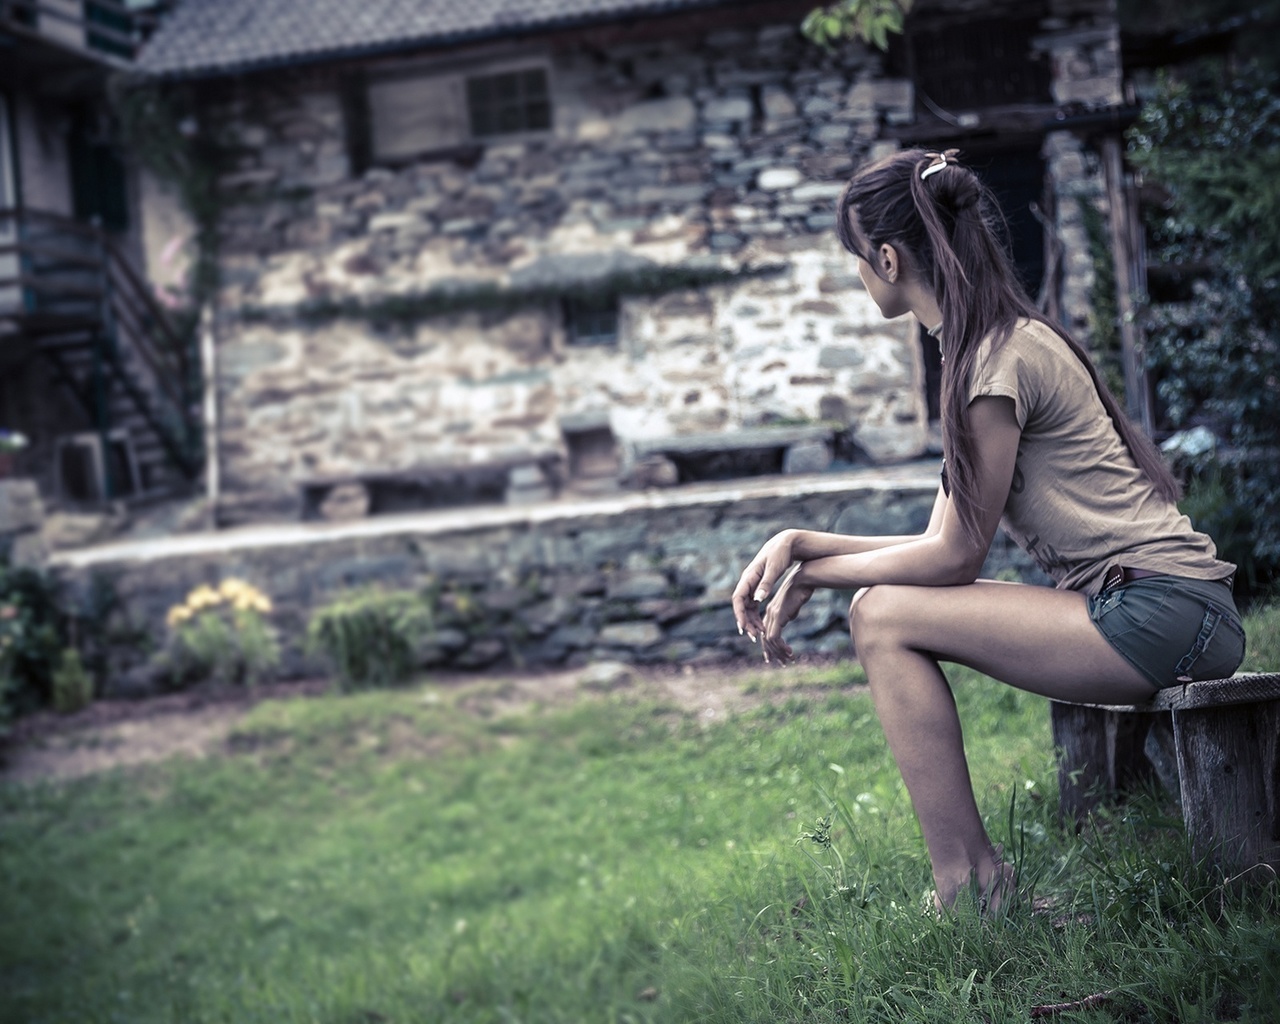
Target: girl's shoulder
(1030, 342)
(1031, 358)
(1024, 338)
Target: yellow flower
(244, 597)
(203, 597)
(178, 614)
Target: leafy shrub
(220, 635)
(1213, 143)
(1213, 508)
(1262, 629)
(32, 636)
(72, 684)
(370, 636)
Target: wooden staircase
(77, 303)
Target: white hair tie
(934, 168)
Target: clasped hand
(775, 561)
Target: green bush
(1262, 629)
(33, 630)
(1213, 507)
(370, 636)
(72, 684)
(220, 635)
(1211, 139)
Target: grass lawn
(397, 857)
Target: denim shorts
(1172, 629)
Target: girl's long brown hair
(949, 229)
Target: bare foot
(1001, 883)
(992, 881)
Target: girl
(1031, 439)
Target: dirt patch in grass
(201, 721)
(121, 733)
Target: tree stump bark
(1225, 735)
(1229, 764)
(1101, 755)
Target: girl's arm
(790, 546)
(942, 558)
(810, 544)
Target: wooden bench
(1224, 761)
(512, 477)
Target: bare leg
(1031, 637)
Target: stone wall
(719, 155)
(308, 403)
(706, 155)
(640, 577)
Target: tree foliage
(872, 21)
(1213, 144)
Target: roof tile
(211, 37)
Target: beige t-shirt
(1079, 502)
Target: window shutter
(408, 116)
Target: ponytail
(941, 217)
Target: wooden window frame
(522, 102)
(418, 111)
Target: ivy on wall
(161, 129)
(405, 310)
(1104, 301)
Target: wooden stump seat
(1224, 761)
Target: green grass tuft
(1262, 633)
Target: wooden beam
(1136, 386)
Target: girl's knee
(882, 616)
(874, 613)
(856, 613)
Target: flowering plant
(221, 633)
(11, 440)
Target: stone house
(91, 368)
(499, 250)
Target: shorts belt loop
(1212, 616)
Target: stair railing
(67, 276)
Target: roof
(206, 38)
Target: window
(409, 115)
(515, 101)
(592, 321)
(88, 470)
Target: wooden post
(1229, 763)
(1127, 274)
(1080, 736)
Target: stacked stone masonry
(712, 153)
(640, 578)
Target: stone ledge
(907, 477)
